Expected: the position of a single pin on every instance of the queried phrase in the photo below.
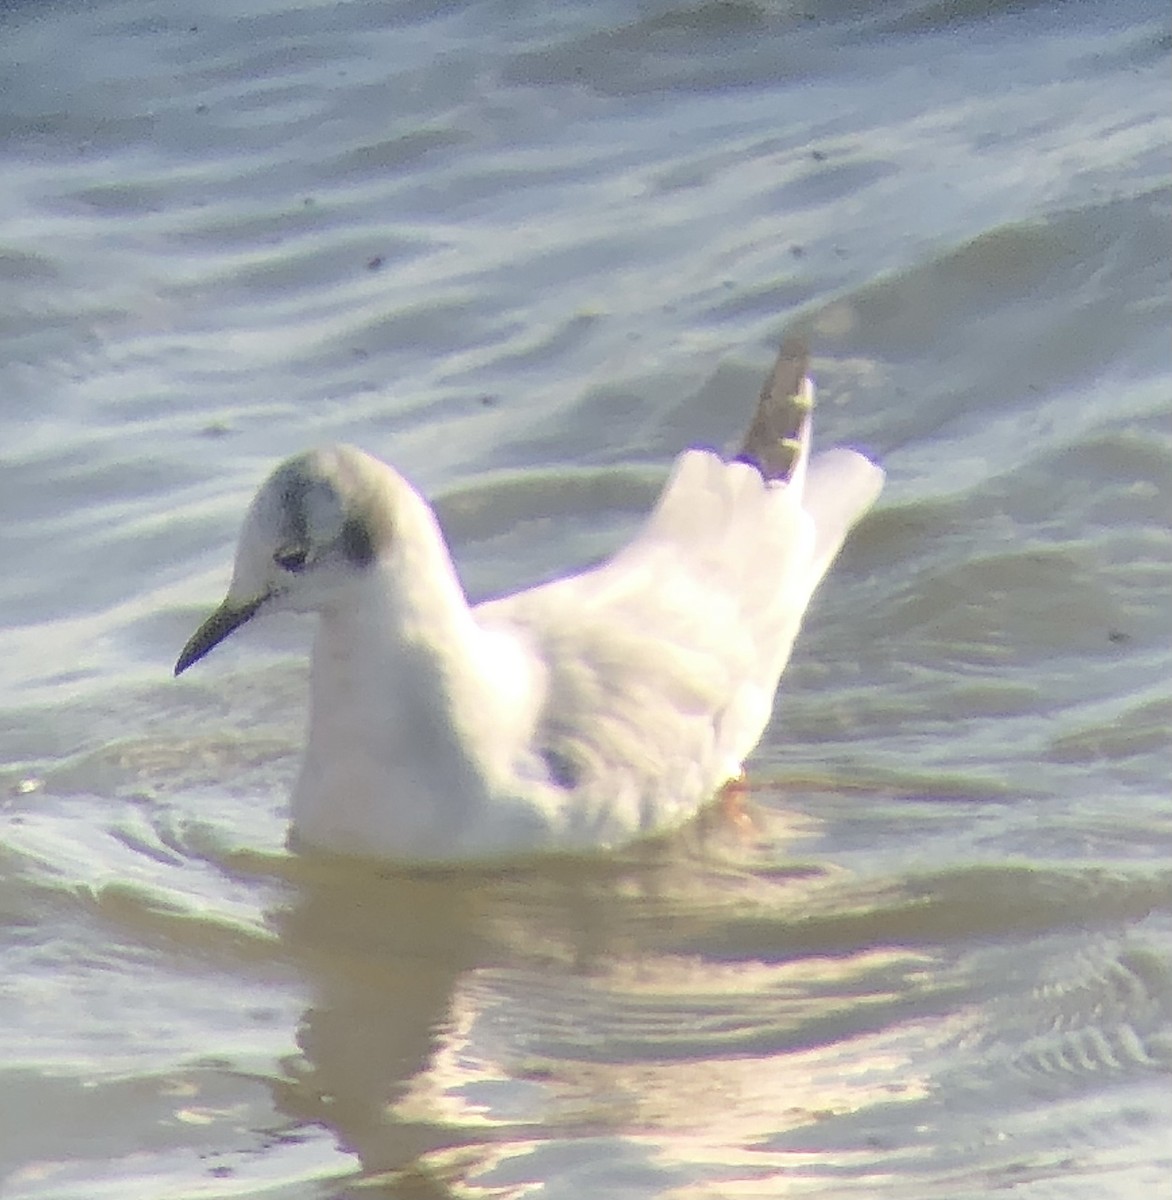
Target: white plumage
(584, 713)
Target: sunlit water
(528, 252)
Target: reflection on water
(462, 1025)
(454, 1010)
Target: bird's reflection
(393, 958)
(457, 1013)
(383, 952)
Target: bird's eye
(292, 558)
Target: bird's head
(317, 524)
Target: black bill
(214, 630)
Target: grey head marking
(326, 498)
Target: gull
(607, 705)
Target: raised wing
(665, 658)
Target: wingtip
(793, 361)
(775, 437)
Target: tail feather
(840, 486)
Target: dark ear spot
(357, 544)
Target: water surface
(528, 253)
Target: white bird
(584, 713)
